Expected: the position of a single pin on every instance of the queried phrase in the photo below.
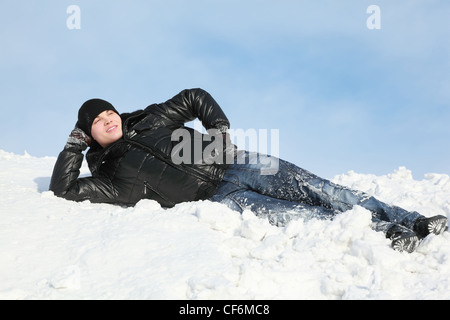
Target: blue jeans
(291, 192)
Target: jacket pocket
(160, 197)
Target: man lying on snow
(131, 157)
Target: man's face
(107, 128)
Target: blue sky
(342, 96)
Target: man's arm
(65, 182)
(193, 104)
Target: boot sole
(434, 225)
(408, 244)
(438, 225)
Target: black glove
(229, 147)
(224, 145)
(78, 140)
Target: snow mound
(56, 249)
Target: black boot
(403, 239)
(425, 226)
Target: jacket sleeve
(66, 184)
(193, 104)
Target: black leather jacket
(139, 166)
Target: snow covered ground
(56, 249)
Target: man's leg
(295, 184)
(279, 212)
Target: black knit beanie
(89, 111)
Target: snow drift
(56, 249)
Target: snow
(57, 249)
